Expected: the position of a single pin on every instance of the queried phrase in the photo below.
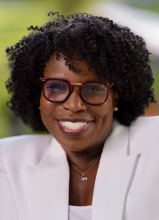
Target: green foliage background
(15, 17)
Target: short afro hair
(112, 51)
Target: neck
(84, 159)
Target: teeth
(73, 125)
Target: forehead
(58, 69)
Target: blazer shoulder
(21, 147)
(23, 140)
(149, 119)
(144, 134)
(146, 123)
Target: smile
(74, 128)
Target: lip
(75, 132)
(74, 120)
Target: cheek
(47, 109)
(105, 115)
(107, 109)
(46, 106)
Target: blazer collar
(54, 158)
(114, 176)
(48, 185)
(48, 182)
(116, 146)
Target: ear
(115, 98)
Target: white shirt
(80, 212)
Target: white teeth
(73, 125)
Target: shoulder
(146, 125)
(141, 121)
(144, 133)
(23, 147)
(23, 141)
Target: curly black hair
(112, 51)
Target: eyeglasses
(59, 90)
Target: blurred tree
(15, 17)
(74, 6)
(152, 5)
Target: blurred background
(141, 16)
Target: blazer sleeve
(7, 207)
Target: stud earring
(39, 108)
(116, 109)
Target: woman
(86, 81)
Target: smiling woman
(87, 117)
(86, 81)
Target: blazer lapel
(48, 185)
(114, 176)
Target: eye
(95, 88)
(57, 86)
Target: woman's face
(95, 121)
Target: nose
(74, 103)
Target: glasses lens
(55, 90)
(94, 93)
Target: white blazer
(34, 176)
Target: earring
(116, 109)
(39, 108)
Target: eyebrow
(95, 80)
